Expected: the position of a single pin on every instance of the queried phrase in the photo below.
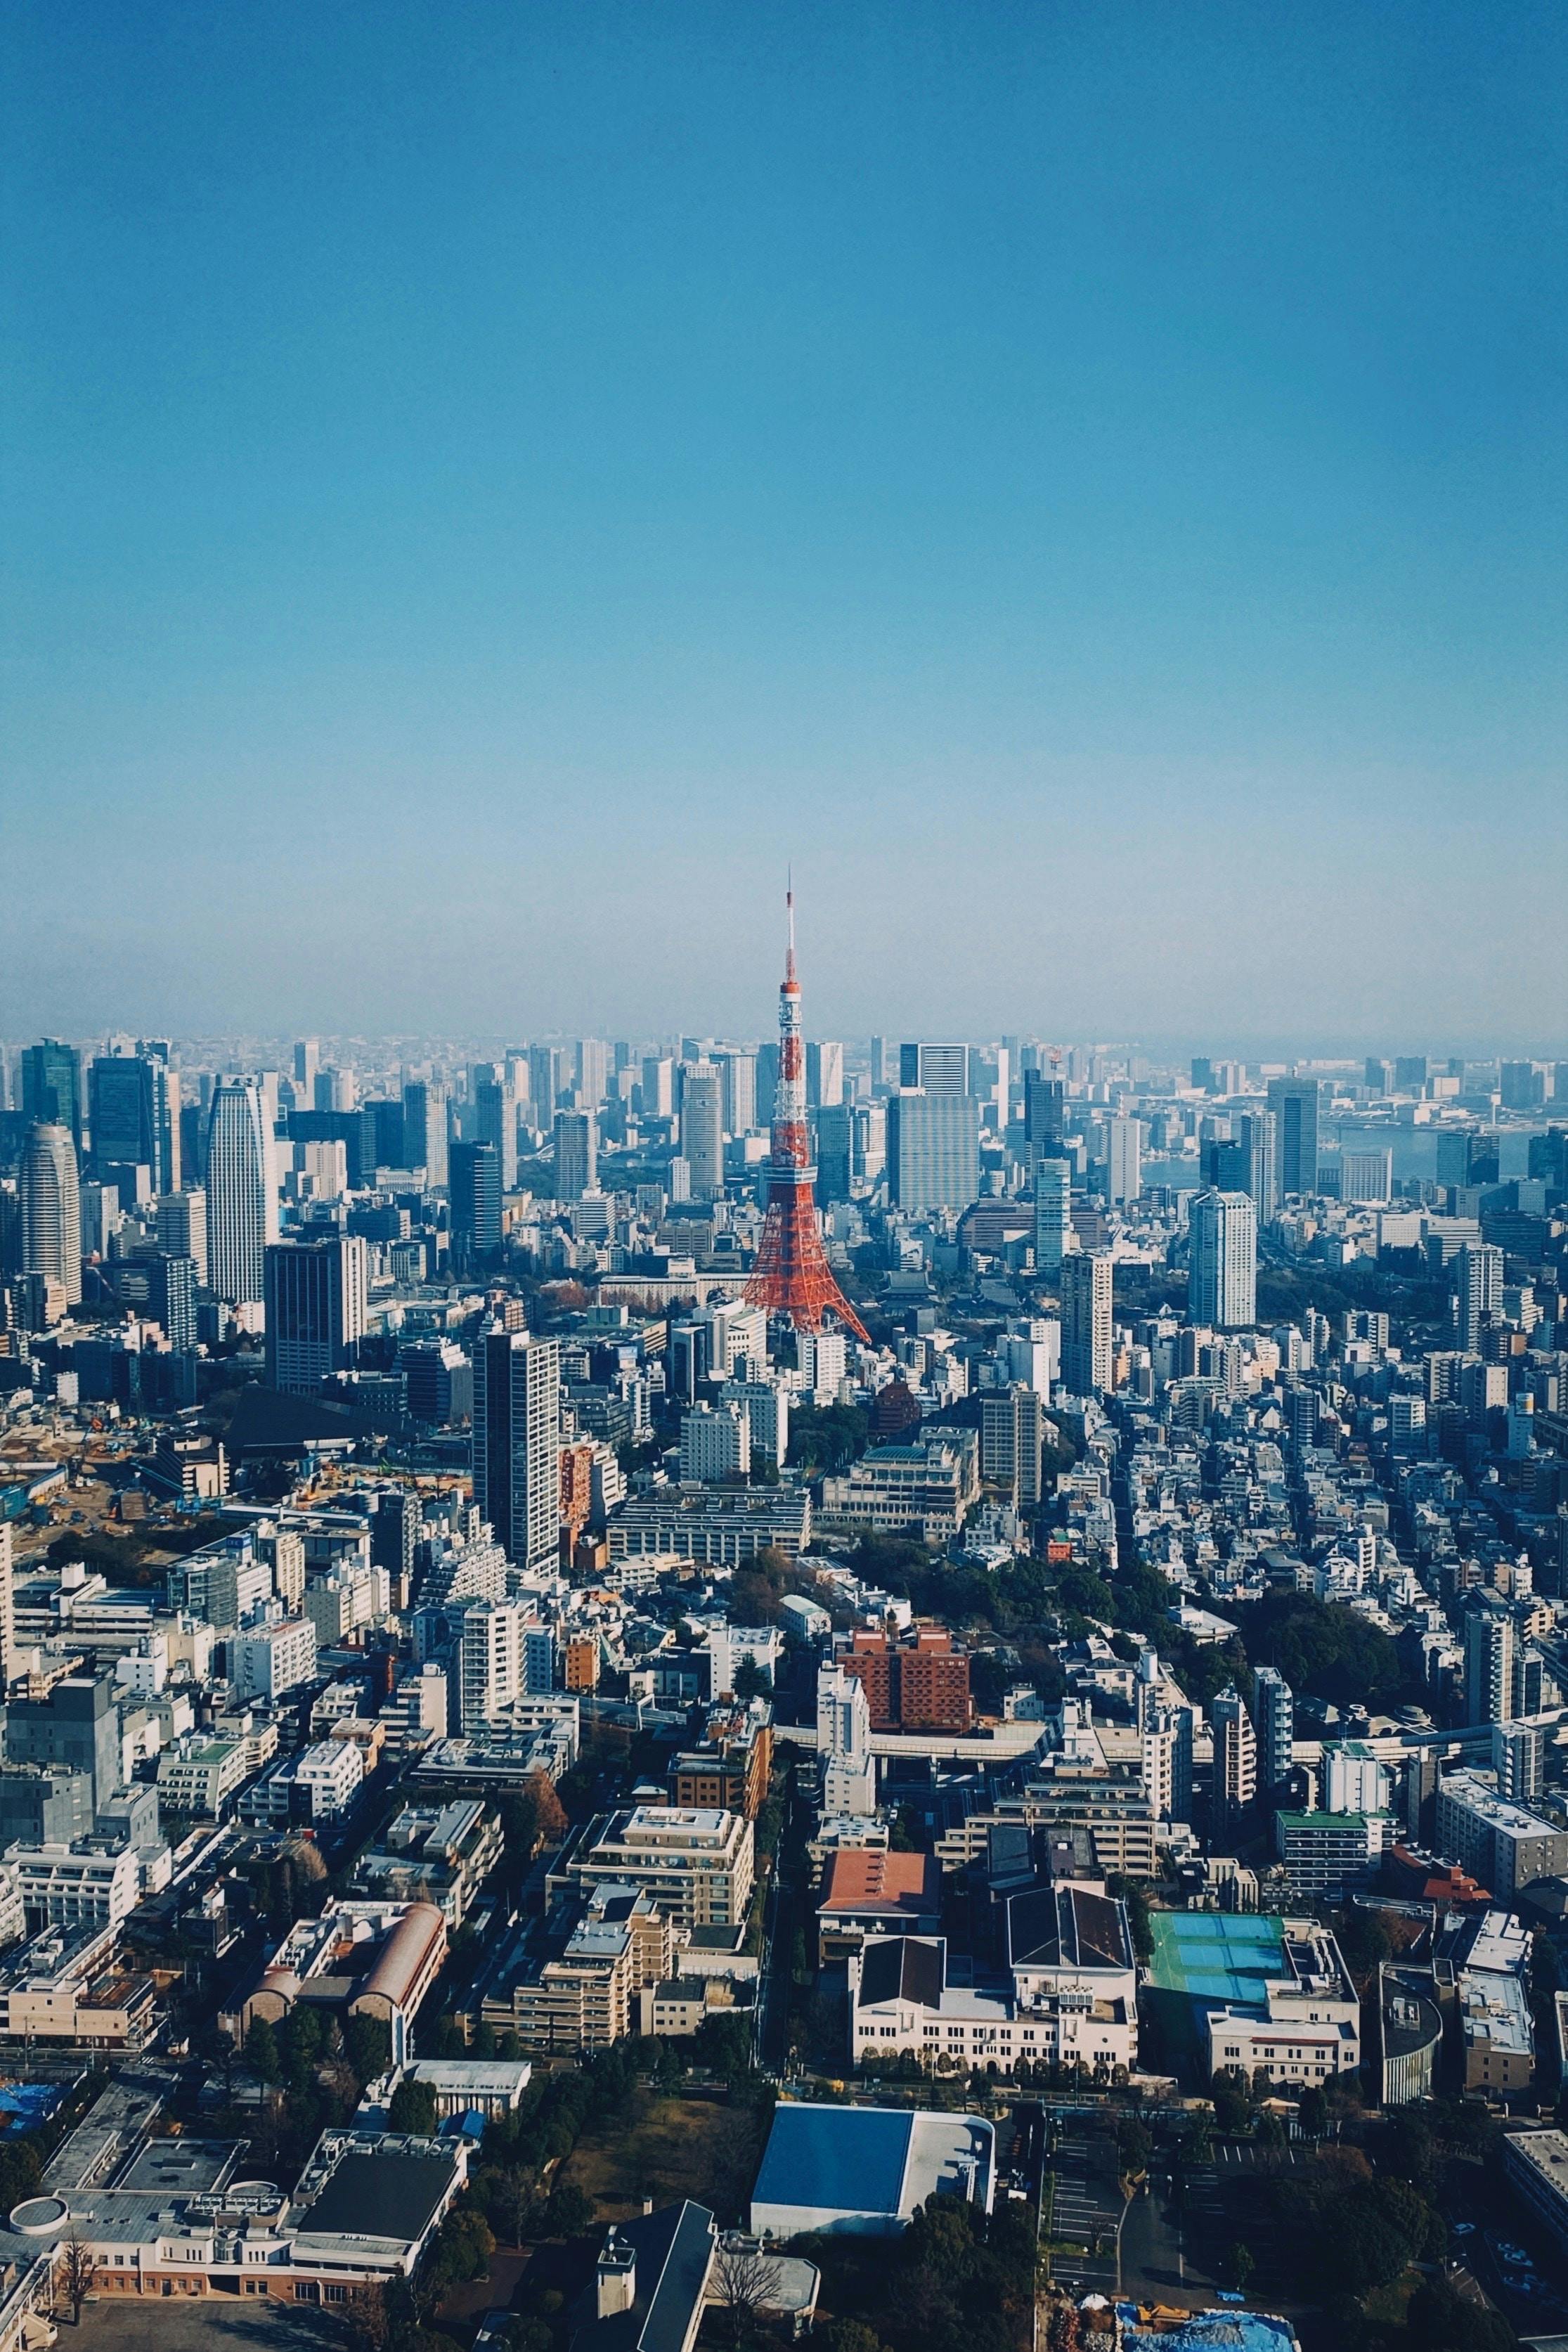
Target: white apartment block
(75, 1885)
(698, 1864)
(272, 1659)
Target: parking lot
(1087, 2208)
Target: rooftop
(866, 1879)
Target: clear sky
(484, 485)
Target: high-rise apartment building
(1086, 1322)
(936, 1069)
(242, 1191)
(1490, 1647)
(1294, 1103)
(316, 1294)
(1235, 1764)
(50, 1208)
(1222, 1278)
(702, 1129)
(516, 1441)
(544, 1083)
(1054, 1235)
(933, 1148)
(306, 1069)
(51, 1090)
(576, 1153)
(171, 1298)
(1478, 1292)
(1275, 1705)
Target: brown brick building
(920, 1683)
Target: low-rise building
(67, 1989)
(434, 1854)
(89, 1883)
(731, 1762)
(866, 2171)
(870, 1893)
(200, 1778)
(584, 1995)
(1536, 2163)
(373, 1960)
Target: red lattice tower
(792, 1276)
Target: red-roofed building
(874, 1894)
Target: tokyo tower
(792, 1276)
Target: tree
(570, 2212)
(1232, 2097)
(1312, 2115)
(1241, 2264)
(412, 2108)
(261, 2051)
(852, 2335)
(751, 1681)
(78, 2274)
(367, 2043)
(744, 2282)
(1134, 2147)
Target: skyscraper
(1294, 1103)
(1222, 1281)
(474, 1198)
(50, 1208)
(592, 1071)
(702, 1129)
(1124, 1158)
(424, 1130)
(1086, 1324)
(183, 1227)
(935, 1069)
(516, 1443)
(134, 1115)
(933, 1148)
(657, 1087)
(306, 1065)
(1246, 1162)
(496, 1121)
(1053, 1237)
(739, 1072)
(576, 1154)
(835, 1152)
(242, 1191)
(824, 1075)
(316, 1297)
(1044, 1109)
(51, 1087)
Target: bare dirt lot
(207, 2322)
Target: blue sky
(486, 484)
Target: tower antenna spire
(792, 1276)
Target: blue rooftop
(848, 2159)
(1216, 2331)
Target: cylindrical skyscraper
(50, 1207)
